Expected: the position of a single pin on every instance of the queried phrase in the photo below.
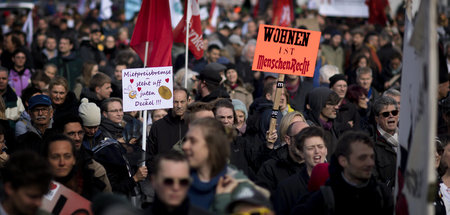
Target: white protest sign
(147, 88)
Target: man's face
(65, 46)
(61, 158)
(58, 94)
(114, 112)
(329, 111)
(171, 182)
(25, 200)
(96, 37)
(180, 102)
(50, 44)
(104, 91)
(90, 131)
(75, 132)
(395, 64)
(19, 59)
(3, 80)
(365, 81)
(340, 87)
(314, 151)
(358, 39)
(213, 55)
(225, 116)
(50, 71)
(118, 72)
(41, 115)
(358, 166)
(386, 119)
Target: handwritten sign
(147, 88)
(286, 50)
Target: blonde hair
(287, 120)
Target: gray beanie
(239, 105)
(89, 112)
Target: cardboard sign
(62, 200)
(147, 88)
(284, 50)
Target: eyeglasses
(116, 110)
(183, 182)
(257, 211)
(43, 110)
(387, 113)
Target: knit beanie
(336, 78)
(239, 105)
(89, 113)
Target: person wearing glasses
(41, 113)
(112, 122)
(386, 139)
(171, 181)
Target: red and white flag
(214, 14)
(154, 26)
(283, 13)
(195, 29)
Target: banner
(195, 30)
(341, 8)
(286, 50)
(153, 26)
(418, 113)
(147, 88)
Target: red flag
(195, 30)
(377, 11)
(154, 26)
(283, 13)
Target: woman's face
(362, 62)
(158, 114)
(232, 76)
(58, 94)
(195, 147)
(94, 70)
(240, 118)
(362, 101)
(61, 158)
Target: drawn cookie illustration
(165, 92)
(132, 94)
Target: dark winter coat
(289, 190)
(385, 161)
(186, 208)
(69, 107)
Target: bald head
(293, 129)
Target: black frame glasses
(182, 182)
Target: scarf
(391, 139)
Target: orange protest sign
(286, 50)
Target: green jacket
(69, 67)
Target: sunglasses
(257, 211)
(183, 182)
(387, 113)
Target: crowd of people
(333, 151)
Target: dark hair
(98, 80)
(225, 103)
(309, 132)
(19, 50)
(175, 88)
(218, 139)
(343, 147)
(68, 37)
(27, 168)
(58, 137)
(105, 103)
(213, 46)
(27, 93)
(60, 123)
(354, 92)
(333, 98)
(268, 88)
(171, 156)
(195, 107)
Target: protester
(171, 181)
(88, 71)
(112, 123)
(14, 106)
(98, 90)
(63, 100)
(19, 75)
(235, 86)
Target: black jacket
(165, 133)
(385, 161)
(186, 208)
(276, 169)
(289, 190)
(69, 107)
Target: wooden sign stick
(276, 103)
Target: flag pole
(144, 118)
(188, 19)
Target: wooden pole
(276, 104)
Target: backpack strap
(328, 198)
